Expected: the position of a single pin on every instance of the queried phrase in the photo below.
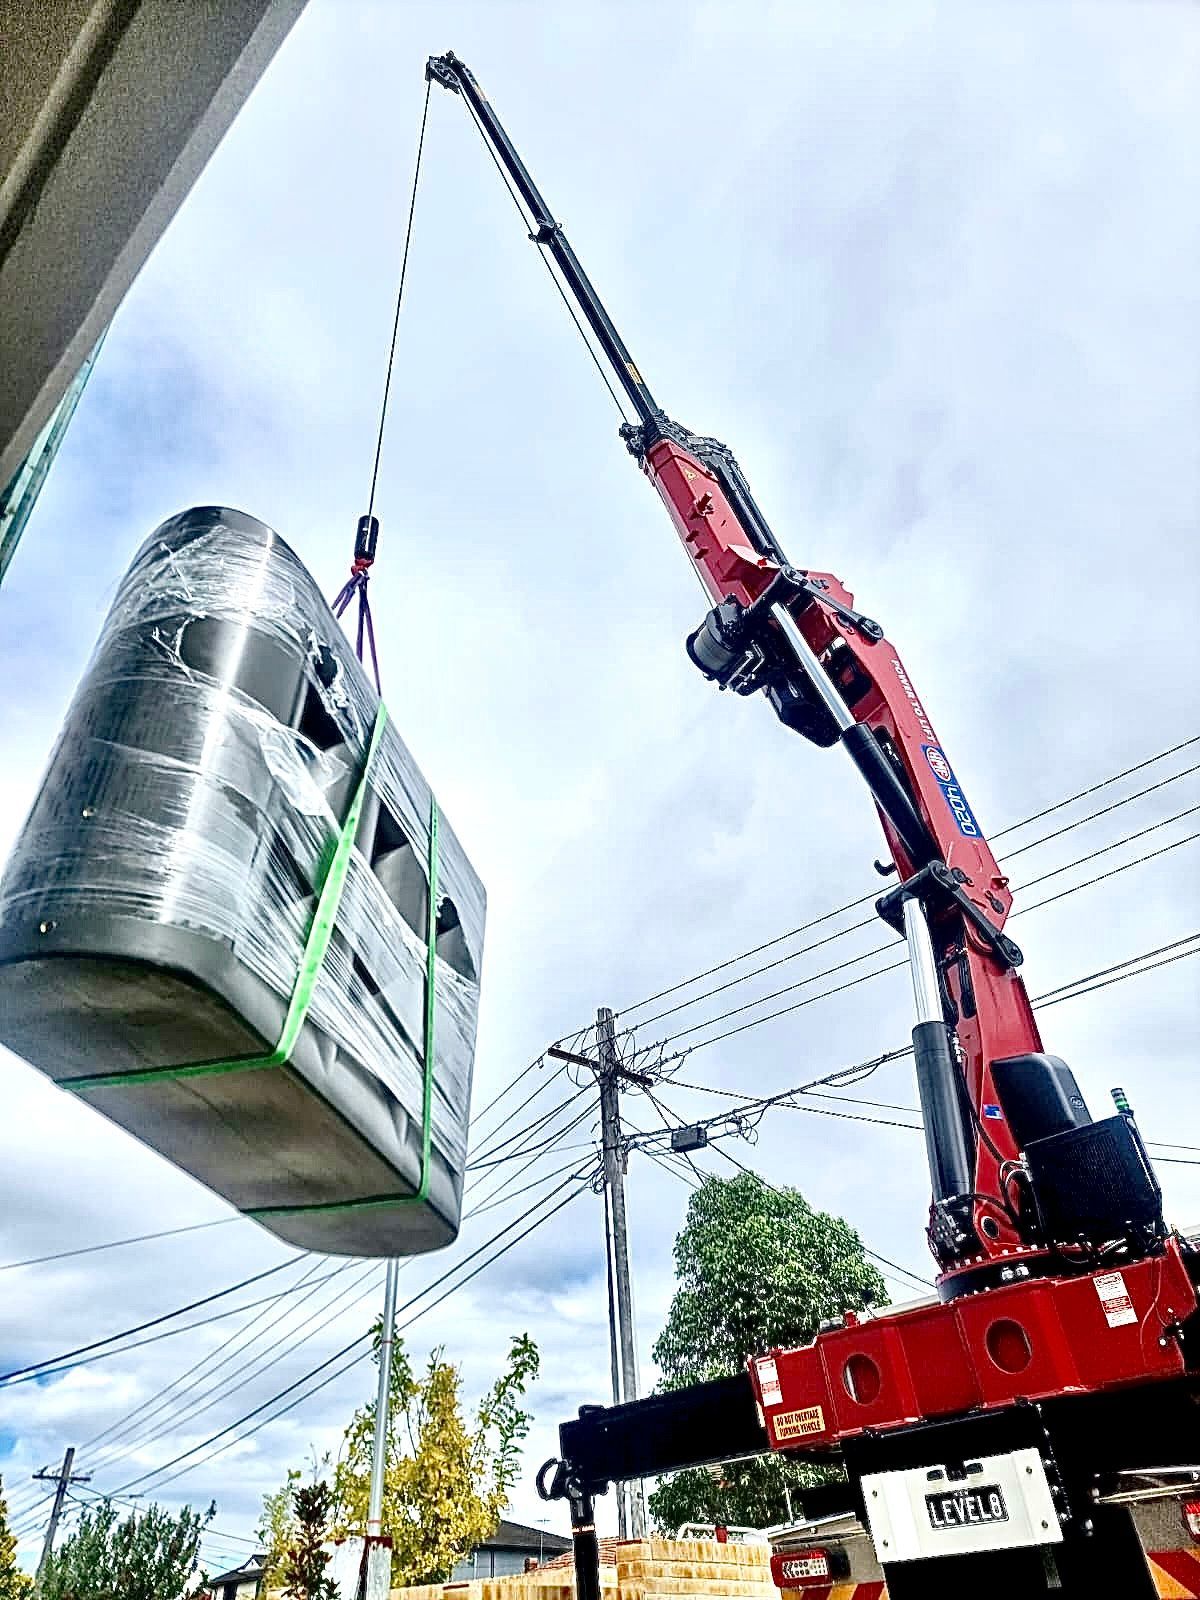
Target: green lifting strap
(316, 946)
(377, 1202)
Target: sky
(933, 271)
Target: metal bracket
(936, 884)
(443, 70)
(801, 584)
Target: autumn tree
(277, 1528)
(447, 1477)
(755, 1267)
(304, 1566)
(14, 1584)
(151, 1555)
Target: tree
(304, 1566)
(446, 1478)
(151, 1555)
(277, 1528)
(755, 1267)
(14, 1584)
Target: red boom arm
(994, 1017)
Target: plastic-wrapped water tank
(235, 921)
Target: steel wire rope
(1011, 827)
(387, 383)
(357, 1343)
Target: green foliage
(151, 1555)
(755, 1267)
(14, 1584)
(446, 1478)
(305, 1562)
(277, 1528)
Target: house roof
(249, 1569)
(517, 1536)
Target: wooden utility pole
(614, 1350)
(64, 1477)
(609, 1077)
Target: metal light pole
(379, 1451)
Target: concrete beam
(111, 111)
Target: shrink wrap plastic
(159, 905)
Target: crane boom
(1067, 1314)
(987, 1089)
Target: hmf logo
(953, 795)
(939, 764)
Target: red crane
(1058, 1278)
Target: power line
(1012, 827)
(523, 1135)
(925, 1283)
(179, 1386)
(224, 1390)
(117, 1244)
(229, 1386)
(1130, 967)
(1104, 811)
(880, 949)
(660, 1044)
(871, 922)
(157, 1338)
(353, 1361)
(245, 1374)
(354, 1344)
(167, 1316)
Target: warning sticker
(799, 1424)
(768, 1381)
(1114, 1298)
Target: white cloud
(932, 272)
